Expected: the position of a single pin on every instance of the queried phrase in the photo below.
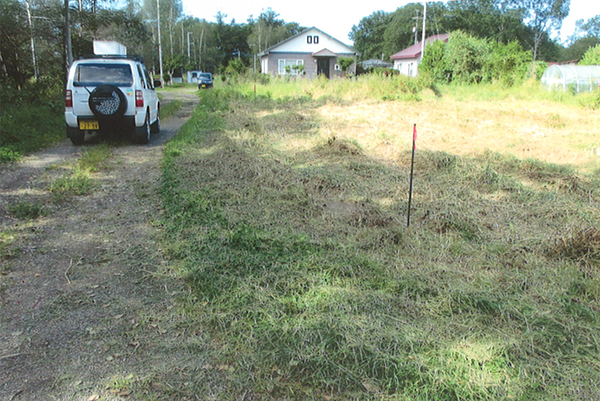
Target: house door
(323, 66)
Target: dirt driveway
(78, 287)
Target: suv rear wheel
(76, 135)
(155, 127)
(142, 134)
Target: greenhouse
(576, 78)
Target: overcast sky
(337, 18)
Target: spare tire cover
(107, 101)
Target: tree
(13, 42)
(542, 16)
(345, 63)
(497, 20)
(586, 28)
(491, 19)
(402, 29)
(267, 30)
(171, 63)
(578, 48)
(368, 36)
(235, 67)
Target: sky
(336, 18)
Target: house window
(290, 67)
(312, 39)
(337, 67)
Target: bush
(592, 56)
(30, 118)
(434, 63)
(468, 57)
(508, 63)
(468, 60)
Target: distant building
(375, 63)
(192, 76)
(309, 53)
(407, 61)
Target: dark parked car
(205, 80)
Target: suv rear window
(98, 74)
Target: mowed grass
(285, 213)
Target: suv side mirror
(157, 83)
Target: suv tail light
(139, 98)
(69, 99)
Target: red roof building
(408, 60)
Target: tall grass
(395, 87)
(399, 87)
(30, 118)
(306, 284)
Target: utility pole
(423, 35)
(424, 22)
(33, 56)
(188, 40)
(160, 58)
(68, 46)
(416, 28)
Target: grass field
(286, 209)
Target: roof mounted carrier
(133, 57)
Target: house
(309, 53)
(192, 76)
(407, 61)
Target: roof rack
(133, 57)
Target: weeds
(20, 134)
(93, 159)
(79, 180)
(77, 183)
(6, 245)
(579, 244)
(27, 210)
(309, 286)
(170, 109)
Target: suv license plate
(89, 125)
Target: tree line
(32, 35)
(534, 24)
(32, 32)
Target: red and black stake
(412, 169)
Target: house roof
(375, 63)
(414, 51)
(324, 53)
(320, 32)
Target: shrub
(508, 63)
(434, 63)
(19, 132)
(27, 210)
(465, 59)
(592, 56)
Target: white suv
(111, 94)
